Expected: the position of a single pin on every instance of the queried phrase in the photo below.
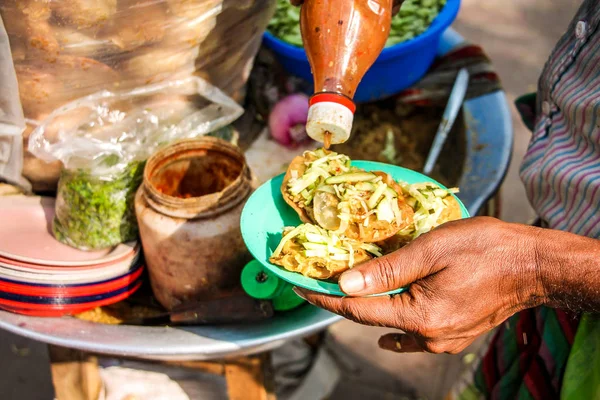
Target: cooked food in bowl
(351, 216)
(325, 189)
(432, 205)
(320, 254)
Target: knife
(222, 311)
(454, 104)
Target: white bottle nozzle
(329, 117)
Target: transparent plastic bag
(94, 213)
(103, 141)
(12, 122)
(64, 50)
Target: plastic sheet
(12, 122)
(103, 141)
(65, 50)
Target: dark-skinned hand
(463, 278)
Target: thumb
(390, 272)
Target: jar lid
(213, 171)
(261, 284)
(258, 282)
(287, 300)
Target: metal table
(489, 145)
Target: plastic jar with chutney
(188, 210)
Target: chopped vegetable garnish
(375, 197)
(350, 177)
(93, 213)
(353, 209)
(325, 189)
(318, 242)
(429, 202)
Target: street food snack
(326, 190)
(320, 254)
(351, 216)
(432, 205)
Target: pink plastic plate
(26, 235)
(57, 269)
(76, 277)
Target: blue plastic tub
(397, 67)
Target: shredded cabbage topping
(358, 194)
(427, 200)
(319, 167)
(319, 242)
(340, 194)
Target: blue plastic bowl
(397, 67)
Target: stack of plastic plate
(40, 276)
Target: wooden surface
(76, 375)
(250, 378)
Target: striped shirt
(561, 169)
(544, 353)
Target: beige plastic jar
(188, 209)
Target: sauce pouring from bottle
(342, 39)
(327, 140)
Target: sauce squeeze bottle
(342, 39)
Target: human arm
(465, 278)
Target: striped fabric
(561, 170)
(544, 353)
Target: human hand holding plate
(266, 214)
(463, 279)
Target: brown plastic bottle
(342, 39)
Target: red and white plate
(33, 276)
(43, 277)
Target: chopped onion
(374, 199)
(364, 205)
(316, 253)
(343, 226)
(397, 212)
(371, 248)
(344, 217)
(314, 246)
(287, 120)
(315, 238)
(350, 255)
(335, 250)
(292, 234)
(326, 189)
(385, 211)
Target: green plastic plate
(266, 214)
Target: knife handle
(238, 309)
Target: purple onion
(287, 121)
